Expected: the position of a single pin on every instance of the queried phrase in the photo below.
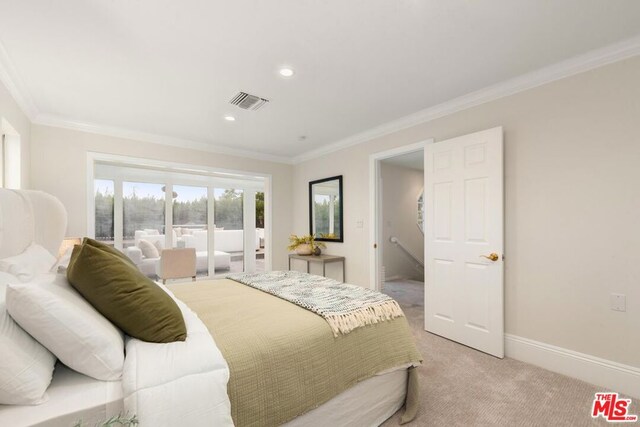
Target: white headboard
(28, 216)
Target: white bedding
(368, 403)
(185, 384)
(179, 383)
(72, 397)
(175, 384)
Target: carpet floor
(460, 386)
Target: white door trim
(374, 208)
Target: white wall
(59, 163)
(401, 187)
(11, 112)
(572, 206)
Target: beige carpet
(460, 386)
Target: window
(260, 231)
(229, 226)
(190, 207)
(10, 157)
(144, 210)
(219, 214)
(103, 200)
(190, 217)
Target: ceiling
(414, 160)
(169, 68)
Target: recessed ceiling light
(286, 72)
(229, 118)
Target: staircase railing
(396, 241)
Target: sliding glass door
(221, 216)
(229, 227)
(143, 213)
(103, 202)
(189, 228)
(260, 233)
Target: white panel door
(464, 240)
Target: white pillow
(5, 279)
(65, 323)
(33, 261)
(26, 367)
(159, 244)
(149, 250)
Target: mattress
(73, 397)
(368, 403)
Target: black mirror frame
(311, 183)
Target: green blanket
(284, 360)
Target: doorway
(398, 230)
(463, 223)
(402, 231)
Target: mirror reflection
(325, 209)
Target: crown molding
(65, 123)
(10, 78)
(576, 65)
(14, 85)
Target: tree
(228, 210)
(148, 212)
(259, 210)
(104, 215)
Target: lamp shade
(68, 243)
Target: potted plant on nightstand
(305, 245)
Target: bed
(283, 364)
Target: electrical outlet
(359, 223)
(618, 302)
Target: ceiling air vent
(247, 101)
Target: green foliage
(104, 215)
(117, 420)
(322, 213)
(259, 210)
(228, 210)
(307, 239)
(142, 212)
(332, 236)
(192, 212)
(148, 212)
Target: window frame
(251, 183)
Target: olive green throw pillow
(125, 296)
(102, 246)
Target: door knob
(491, 257)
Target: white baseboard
(396, 277)
(601, 372)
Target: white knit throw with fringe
(345, 307)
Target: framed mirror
(325, 209)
